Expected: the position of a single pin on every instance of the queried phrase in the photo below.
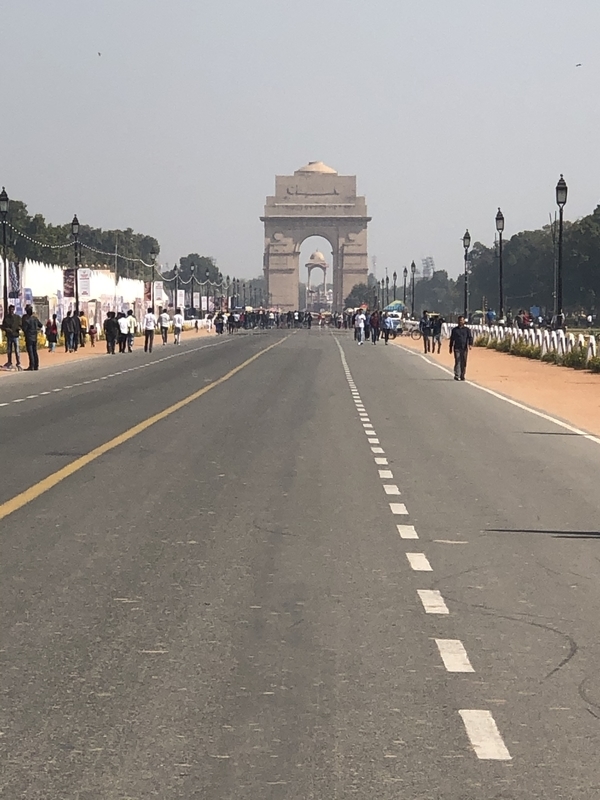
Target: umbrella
(397, 305)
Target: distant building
(428, 266)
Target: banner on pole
(69, 282)
(147, 292)
(180, 298)
(14, 279)
(196, 299)
(204, 303)
(158, 291)
(85, 283)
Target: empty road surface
(279, 565)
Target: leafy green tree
(361, 294)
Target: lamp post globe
(395, 278)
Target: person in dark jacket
(11, 325)
(461, 341)
(67, 329)
(31, 326)
(111, 331)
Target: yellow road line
(22, 499)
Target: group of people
(371, 325)
(12, 325)
(431, 330)
(162, 323)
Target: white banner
(196, 299)
(85, 281)
(180, 298)
(204, 303)
(158, 292)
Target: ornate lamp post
(176, 275)
(207, 275)
(3, 214)
(153, 266)
(500, 229)
(405, 276)
(227, 285)
(466, 245)
(413, 269)
(387, 290)
(75, 232)
(561, 200)
(192, 277)
(394, 277)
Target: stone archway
(314, 201)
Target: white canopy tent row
(100, 291)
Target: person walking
(388, 326)
(11, 326)
(164, 325)
(461, 341)
(31, 326)
(52, 333)
(93, 333)
(131, 329)
(425, 328)
(149, 328)
(359, 325)
(83, 328)
(111, 332)
(68, 331)
(436, 333)
(123, 331)
(375, 323)
(76, 331)
(177, 325)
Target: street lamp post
(176, 271)
(75, 232)
(395, 277)
(413, 269)
(466, 245)
(207, 276)
(4, 213)
(153, 260)
(192, 276)
(500, 229)
(227, 284)
(387, 290)
(561, 199)
(405, 276)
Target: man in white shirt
(178, 325)
(359, 324)
(131, 329)
(122, 320)
(164, 320)
(149, 328)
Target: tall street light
(413, 269)
(561, 200)
(153, 255)
(405, 276)
(207, 276)
(75, 232)
(387, 290)
(3, 214)
(500, 229)
(395, 278)
(192, 277)
(176, 271)
(466, 245)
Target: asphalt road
(223, 605)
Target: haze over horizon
(174, 119)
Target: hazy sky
(444, 109)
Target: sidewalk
(571, 395)
(59, 357)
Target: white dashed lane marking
(407, 531)
(377, 450)
(433, 602)
(484, 735)
(381, 461)
(386, 473)
(454, 655)
(391, 488)
(419, 562)
(398, 508)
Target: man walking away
(131, 329)
(149, 328)
(374, 326)
(164, 325)
(436, 332)
(387, 327)
(461, 341)
(83, 325)
(359, 324)
(123, 330)
(425, 328)
(111, 332)
(11, 325)
(178, 325)
(31, 326)
(67, 330)
(76, 331)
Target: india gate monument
(314, 201)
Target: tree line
(529, 260)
